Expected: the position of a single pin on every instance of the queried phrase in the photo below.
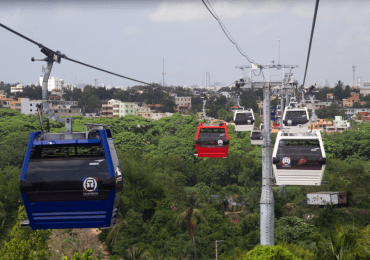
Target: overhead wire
(309, 47)
(226, 32)
(65, 57)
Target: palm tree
(341, 244)
(191, 214)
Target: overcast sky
(133, 37)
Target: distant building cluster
(116, 108)
(29, 107)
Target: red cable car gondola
(212, 140)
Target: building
(329, 95)
(207, 80)
(365, 90)
(144, 112)
(157, 116)
(53, 83)
(18, 88)
(351, 100)
(28, 107)
(72, 111)
(183, 104)
(321, 125)
(339, 125)
(353, 112)
(226, 94)
(116, 108)
(12, 104)
(56, 94)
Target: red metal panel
(218, 152)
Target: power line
(59, 55)
(226, 32)
(309, 47)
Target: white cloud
(181, 11)
(129, 31)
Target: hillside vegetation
(173, 204)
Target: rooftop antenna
(279, 53)
(354, 67)
(163, 72)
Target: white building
(18, 88)
(53, 83)
(28, 107)
(226, 94)
(365, 90)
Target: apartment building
(351, 100)
(18, 88)
(116, 108)
(183, 104)
(144, 112)
(353, 112)
(28, 107)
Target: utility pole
(217, 241)
(163, 72)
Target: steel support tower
(267, 232)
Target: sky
(132, 38)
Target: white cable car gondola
(294, 117)
(299, 158)
(244, 120)
(257, 136)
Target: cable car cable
(223, 27)
(309, 47)
(59, 55)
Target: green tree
(341, 244)
(293, 229)
(86, 256)
(26, 244)
(191, 215)
(270, 253)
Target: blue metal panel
(69, 214)
(64, 142)
(108, 157)
(33, 135)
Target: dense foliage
(175, 206)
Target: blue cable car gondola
(73, 183)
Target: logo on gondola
(286, 161)
(220, 142)
(90, 184)
(96, 162)
(289, 122)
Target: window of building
(70, 111)
(55, 111)
(30, 110)
(131, 105)
(126, 105)
(30, 105)
(131, 111)
(126, 111)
